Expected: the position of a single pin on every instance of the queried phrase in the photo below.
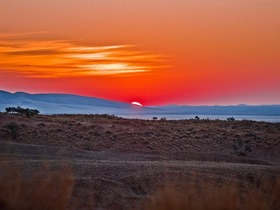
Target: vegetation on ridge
(22, 111)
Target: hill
(76, 104)
(62, 103)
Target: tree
(22, 111)
(8, 109)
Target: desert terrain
(118, 163)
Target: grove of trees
(22, 111)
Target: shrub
(41, 124)
(230, 119)
(13, 128)
(242, 148)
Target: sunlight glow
(91, 56)
(56, 58)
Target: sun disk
(136, 103)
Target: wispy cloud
(56, 58)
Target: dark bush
(22, 111)
(242, 148)
(230, 119)
(13, 128)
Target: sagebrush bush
(13, 128)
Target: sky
(155, 52)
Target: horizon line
(172, 104)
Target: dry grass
(98, 132)
(227, 197)
(52, 190)
(49, 190)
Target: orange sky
(152, 51)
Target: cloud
(59, 58)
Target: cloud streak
(56, 58)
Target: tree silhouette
(22, 111)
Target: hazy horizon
(153, 52)
(61, 93)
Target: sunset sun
(135, 103)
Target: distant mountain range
(63, 103)
(223, 110)
(75, 104)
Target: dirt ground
(119, 163)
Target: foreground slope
(119, 163)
